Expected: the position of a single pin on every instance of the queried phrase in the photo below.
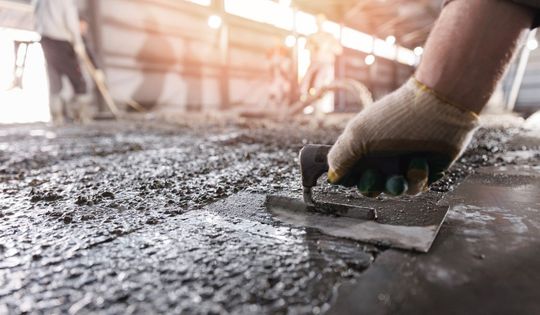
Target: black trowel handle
(313, 163)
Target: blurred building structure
(211, 54)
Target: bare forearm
(470, 47)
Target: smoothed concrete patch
(485, 260)
(417, 238)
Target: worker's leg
(62, 59)
(81, 104)
(433, 118)
(469, 48)
(56, 105)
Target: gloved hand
(100, 76)
(402, 143)
(79, 48)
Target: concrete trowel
(389, 222)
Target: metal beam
(223, 46)
(520, 73)
(16, 5)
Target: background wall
(528, 96)
(162, 53)
(528, 100)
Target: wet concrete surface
(484, 261)
(123, 218)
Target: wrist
(443, 100)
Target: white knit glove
(401, 143)
(80, 49)
(99, 75)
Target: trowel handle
(313, 163)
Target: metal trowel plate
(335, 209)
(397, 223)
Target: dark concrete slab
(485, 260)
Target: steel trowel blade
(333, 209)
(392, 223)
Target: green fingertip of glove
(371, 184)
(417, 176)
(419, 165)
(396, 185)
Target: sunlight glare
(201, 2)
(356, 40)
(262, 11)
(30, 104)
(6, 62)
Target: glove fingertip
(419, 164)
(396, 185)
(333, 177)
(371, 183)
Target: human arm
(429, 121)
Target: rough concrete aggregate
(119, 218)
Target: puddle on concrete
(508, 197)
(512, 170)
(503, 191)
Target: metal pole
(371, 72)
(224, 60)
(520, 73)
(395, 67)
(223, 55)
(95, 26)
(294, 93)
(341, 96)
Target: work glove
(402, 143)
(80, 49)
(100, 75)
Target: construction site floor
(147, 217)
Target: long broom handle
(100, 84)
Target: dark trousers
(62, 60)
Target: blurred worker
(323, 48)
(57, 21)
(280, 69)
(427, 123)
